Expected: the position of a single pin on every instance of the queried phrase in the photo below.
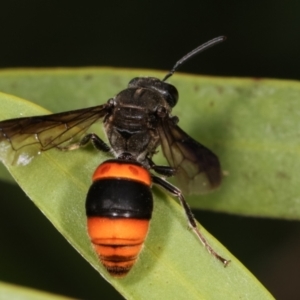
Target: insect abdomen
(118, 211)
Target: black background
(263, 41)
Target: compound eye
(171, 94)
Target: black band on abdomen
(119, 198)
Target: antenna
(199, 49)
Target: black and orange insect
(119, 203)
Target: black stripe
(118, 258)
(119, 198)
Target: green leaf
(173, 262)
(15, 292)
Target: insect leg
(162, 170)
(97, 142)
(191, 220)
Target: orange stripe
(117, 231)
(122, 170)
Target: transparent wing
(27, 136)
(198, 169)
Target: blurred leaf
(173, 263)
(15, 292)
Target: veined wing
(30, 135)
(198, 168)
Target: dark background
(263, 41)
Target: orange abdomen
(119, 208)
